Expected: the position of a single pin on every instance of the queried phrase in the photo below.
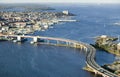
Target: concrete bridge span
(90, 51)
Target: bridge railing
(88, 48)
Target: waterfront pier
(90, 51)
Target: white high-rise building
(65, 12)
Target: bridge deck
(89, 58)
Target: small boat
(43, 30)
(32, 42)
(46, 26)
(14, 41)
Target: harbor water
(26, 60)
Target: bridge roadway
(89, 57)
(93, 65)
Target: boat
(32, 42)
(46, 26)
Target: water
(26, 60)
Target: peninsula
(19, 23)
(108, 44)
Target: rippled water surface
(26, 60)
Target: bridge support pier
(85, 48)
(19, 38)
(95, 72)
(58, 42)
(35, 40)
(75, 45)
(67, 43)
(71, 44)
(48, 41)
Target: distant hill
(24, 7)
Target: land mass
(108, 43)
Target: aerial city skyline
(66, 1)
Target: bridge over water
(90, 51)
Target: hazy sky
(82, 1)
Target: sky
(58, 1)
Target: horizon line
(61, 2)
